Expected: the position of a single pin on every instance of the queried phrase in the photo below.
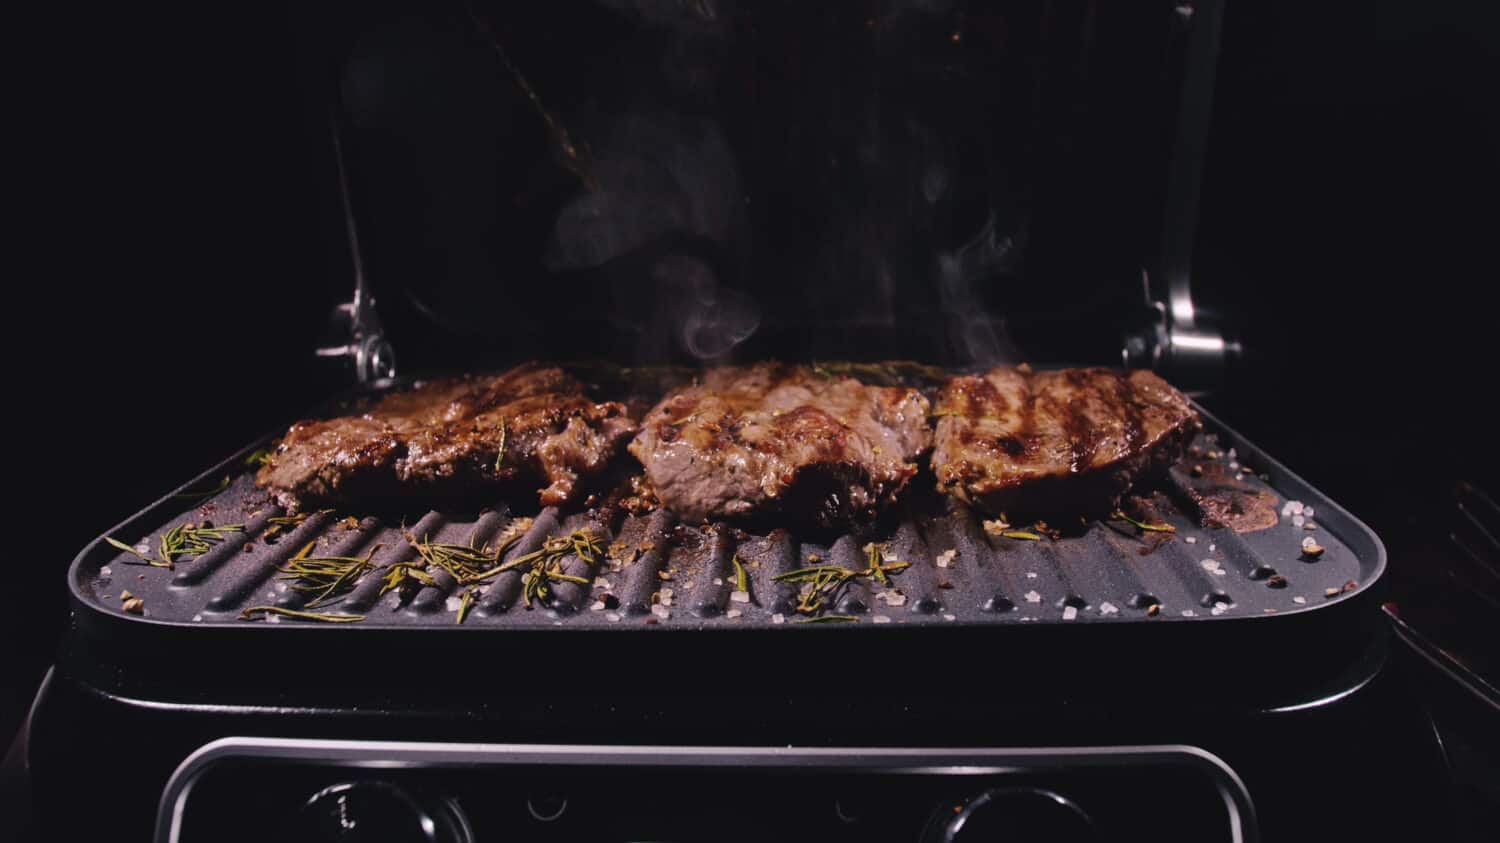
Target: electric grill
(1091, 686)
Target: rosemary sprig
(327, 617)
(741, 578)
(469, 565)
(467, 603)
(403, 576)
(278, 524)
(464, 562)
(826, 581)
(190, 540)
(327, 576)
(500, 458)
(258, 457)
(1118, 515)
(545, 564)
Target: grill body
(565, 703)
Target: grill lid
(684, 181)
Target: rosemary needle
(741, 579)
(1154, 528)
(119, 545)
(470, 595)
(829, 619)
(327, 617)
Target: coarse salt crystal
(1032, 597)
(1309, 541)
(1234, 466)
(1299, 600)
(1070, 612)
(1031, 575)
(1190, 539)
(452, 604)
(1220, 572)
(105, 571)
(143, 547)
(1189, 613)
(612, 617)
(198, 617)
(1108, 608)
(602, 583)
(661, 611)
(778, 618)
(950, 617)
(881, 618)
(1218, 609)
(1294, 507)
(270, 595)
(596, 606)
(270, 618)
(1307, 512)
(1212, 547)
(733, 613)
(718, 580)
(1232, 454)
(740, 596)
(1209, 564)
(945, 558)
(1298, 521)
(895, 598)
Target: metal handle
(355, 335)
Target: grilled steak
(445, 438)
(1061, 442)
(773, 438)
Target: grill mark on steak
(773, 438)
(1061, 442)
(443, 439)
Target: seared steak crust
(773, 438)
(1068, 441)
(445, 438)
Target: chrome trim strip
(932, 761)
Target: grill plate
(1095, 577)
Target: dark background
(178, 244)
